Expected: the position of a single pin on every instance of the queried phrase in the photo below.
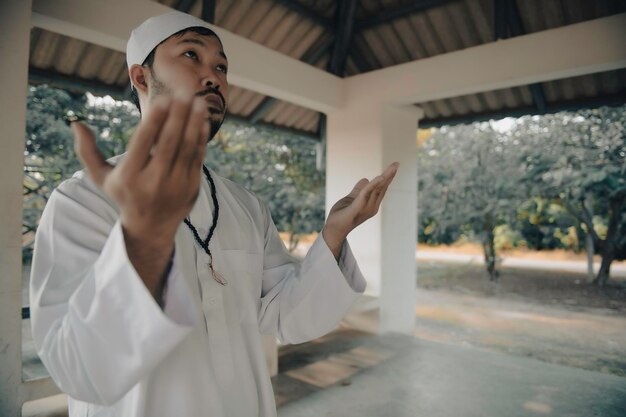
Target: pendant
(216, 275)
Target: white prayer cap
(145, 37)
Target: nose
(211, 79)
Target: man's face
(196, 64)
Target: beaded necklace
(204, 244)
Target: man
(153, 278)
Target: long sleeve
(304, 300)
(97, 329)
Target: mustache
(212, 90)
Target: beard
(216, 117)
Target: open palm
(361, 204)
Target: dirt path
(553, 316)
(585, 340)
(618, 269)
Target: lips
(215, 101)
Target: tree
(545, 224)
(467, 181)
(279, 167)
(49, 153)
(579, 161)
(49, 144)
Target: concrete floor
(430, 379)
(350, 373)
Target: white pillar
(14, 47)
(362, 139)
(399, 221)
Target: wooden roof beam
(312, 57)
(359, 59)
(246, 122)
(73, 84)
(297, 7)
(344, 27)
(513, 22)
(574, 105)
(402, 11)
(185, 5)
(208, 11)
(345, 11)
(500, 19)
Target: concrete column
(362, 139)
(14, 47)
(399, 221)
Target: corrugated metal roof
(571, 93)
(387, 32)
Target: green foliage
(579, 161)
(49, 153)
(543, 224)
(466, 178)
(279, 167)
(467, 182)
(552, 178)
(576, 155)
(507, 238)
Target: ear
(138, 76)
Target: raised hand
(361, 204)
(155, 185)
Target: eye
(191, 54)
(222, 68)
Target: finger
(390, 174)
(391, 170)
(201, 145)
(89, 154)
(373, 204)
(172, 132)
(193, 169)
(146, 134)
(366, 192)
(363, 182)
(372, 192)
(191, 137)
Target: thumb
(89, 154)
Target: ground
(557, 317)
(472, 336)
(542, 306)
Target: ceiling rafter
(507, 21)
(246, 122)
(185, 5)
(344, 29)
(208, 11)
(74, 84)
(402, 11)
(297, 7)
(345, 11)
(312, 57)
(613, 100)
(359, 58)
(500, 19)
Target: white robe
(109, 346)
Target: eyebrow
(201, 43)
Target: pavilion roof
(365, 35)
